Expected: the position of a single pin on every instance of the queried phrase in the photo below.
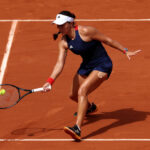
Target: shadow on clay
(122, 117)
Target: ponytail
(55, 35)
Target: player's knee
(82, 91)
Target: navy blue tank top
(91, 52)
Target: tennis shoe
(93, 108)
(74, 132)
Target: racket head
(11, 97)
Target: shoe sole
(72, 134)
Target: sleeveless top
(92, 52)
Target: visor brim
(59, 22)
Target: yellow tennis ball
(2, 91)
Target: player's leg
(77, 81)
(94, 80)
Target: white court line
(68, 140)
(7, 51)
(92, 20)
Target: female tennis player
(96, 67)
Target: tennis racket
(14, 94)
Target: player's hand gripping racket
(10, 94)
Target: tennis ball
(2, 91)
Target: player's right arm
(59, 64)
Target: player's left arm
(93, 33)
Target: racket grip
(40, 89)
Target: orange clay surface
(123, 100)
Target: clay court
(123, 119)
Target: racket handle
(40, 89)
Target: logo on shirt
(71, 47)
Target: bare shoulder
(63, 43)
(92, 33)
(87, 30)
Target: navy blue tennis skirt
(86, 69)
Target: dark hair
(66, 13)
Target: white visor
(61, 19)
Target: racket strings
(10, 97)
